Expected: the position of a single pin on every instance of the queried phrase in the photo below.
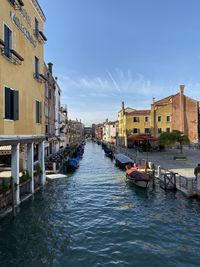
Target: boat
(73, 162)
(108, 152)
(138, 176)
(121, 160)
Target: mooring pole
(153, 174)
(13, 196)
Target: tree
(175, 136)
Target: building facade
(22, 120)
(49, 110)
(175, 112)
(109, 131)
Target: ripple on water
(93, 218)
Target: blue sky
(106, 51)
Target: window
(46, 128)
(135, 130)
(146, 119)
(11, 103)
(12, 2)
(46, 91)
(136, 119)
(168, 130)
(36, 27)
(46, 111)
(147, 130)
(159, 118)
(168, 118)
(36, 68)
(8, 41)
(38, 112)
(159, 130)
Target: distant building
(99, 131)
(88, 131)
(49, 110)
(76, 131)
(109, 131)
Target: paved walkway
(166, 161)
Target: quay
(179, 174)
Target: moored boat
(108, 152)
(138, 177)
(73, 163)
(121, 160)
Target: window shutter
(37, 110)
(15, 105)
(8, 41)
(40, 112)
(7, 103)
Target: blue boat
(73, 163)
(121, 160)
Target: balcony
(17, 4)
(40, 36)
(10, 54)
(39, 77)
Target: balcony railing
(12, 55)
(40, 36)
(39, 77)
(17, 4)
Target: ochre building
(175, 112)
(22, 120)
(21, 68)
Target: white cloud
(93, 99)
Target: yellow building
(175, 112)
(21, 68)
(22, 118)
(132, 121)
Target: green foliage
(39, 170)
(5, 186)
(25, 176)
(175, 136)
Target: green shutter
(15, 105)
(40, 112)
(7, 103)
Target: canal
(92, 218)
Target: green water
(93, 218)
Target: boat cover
(123, 159)
(138, 176)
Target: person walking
(197, 170)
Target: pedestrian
(197, 170)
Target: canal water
(92, 218)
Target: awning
(139, 137)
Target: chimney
(50, 65)
(182, 109)
(123, 109)
(106, 120)
(182, 87)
